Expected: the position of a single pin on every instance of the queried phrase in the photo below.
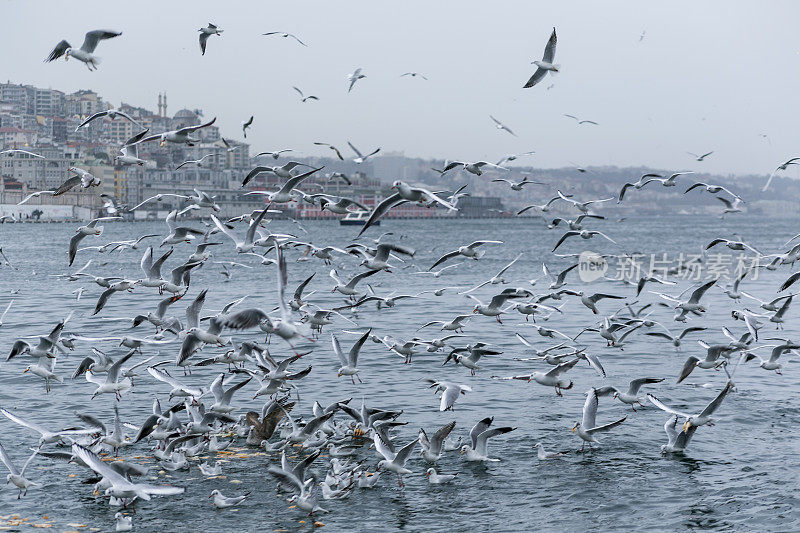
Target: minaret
(159, 104)
(165, 104)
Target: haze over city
(695, 82)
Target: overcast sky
(707, 75)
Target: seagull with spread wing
(546, 64)
(85, 53)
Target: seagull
(438, 479)
(551, 378)
(693, 421)
(587, 427)
(331, 147)
(557, 281)
(518, 185)
(472, 168)
(285, 194)
(772, 363)
(89, 229)
(641, 182)
(394, 462)
(349, 288)
(583, 234)
(544, 208)
(675, 340)
(178, 234)
(223, 502)
(710, 361)
(122, 522)
(469, 251)
(579, 121)
(513, 157)
(34, 195)
(12, 151)
(692, 305)
(180, 136)
(453, 325)
(738, 246)
(112, 114)
(437, 273)
(544, 455)
(450, 393)
(246, 245)
(275, 154)
(121, 487)
(81, 177)
(500, 126)
(361, 157)
(710, 188)
(782, 166)
(205, 33)
(496, 279)
(413, 75)
(631, 396)
(700, 157)
(337, 204)
(583, 207)
(432, 448)
(283, 34)
(479, 436)
(546, 64)
(246, 124)
(16, 476)
(354, 77)
(405, 193)
(303, 97)
(349, 363)
(731, 207)
(85, 53)
(48, 437)
(198, 162)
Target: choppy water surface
(740, 474)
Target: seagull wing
(93, 38)
(655, 401)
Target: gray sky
(707, 76)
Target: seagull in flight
(303, 97)
(354, 77)
(85, 53)
(18, 151)
(579, 121)
(782, 166)
(413, 75)
(246, 124)
(205, 33)
(283, 34)
(500, 126)
(198, 162)
(546, 64)
(361, 157)
(331, 147)
(700, 157)
(110, 113)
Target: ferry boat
(357, 218)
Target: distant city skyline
(711, 77)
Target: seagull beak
(25, 370)
(686, 426)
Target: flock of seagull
(343, 447)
